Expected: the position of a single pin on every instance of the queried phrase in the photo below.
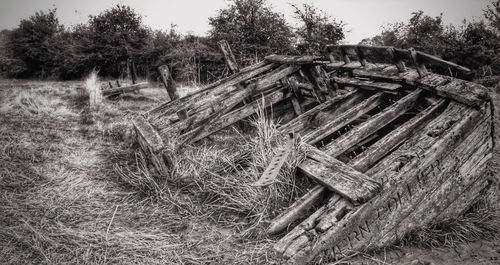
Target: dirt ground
(64, 198)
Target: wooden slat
(303, 120)
(229, 56)
(338, 177)
(124, 89)
(370, 85)
(430, 59)
(319, 88)
(151, 144)
(465, 92)
(343, 119)
(383, 146)
(207, 94)
(343, 143)
(291, 59)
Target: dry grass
(76, 190)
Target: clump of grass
(34, 102)
(93, 89)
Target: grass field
(74, 190)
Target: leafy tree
(32, 42)
(252, 29)
(317, 31)
(113, 37)
(492, 14)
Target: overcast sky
(364, 18)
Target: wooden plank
(291, 59)
(465, 92)
(171, 86)
(343, 119)
(338, 177)
(151, 144)
(297, 209)
(356, 230)
(383, 146)
(318, 86)
(124, 89)
(430, 59)
(229, 56)
(207, 95)
(370, 85)
(230, 118)
(343, 143)
(377, 75)
(303, 120)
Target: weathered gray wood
(378, 121)
(382, 147)
(421, 69)
(356, 230)
(171, 86)
(296, 210)
(338, 177)
(400, 64)
(151, 144)
(465, 92)
(292, 59)
(318, 85)
(430, 59)
(303, 120)
(370, 85)
(343, 119)
(207, 95)
(333, 213)
(377, 75)
(124, 89)
(229, 56)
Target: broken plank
(371, 85)
(430, 59)
(318, 85)
(343, 143)
(124, 89)
(383, 146)
(343, 119)
(151, 144)
(229, 56)
(291, 59)
(338, 177)
(303, 120)
(296, 210)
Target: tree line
(43, 48)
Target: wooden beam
(343, 143)
(343, 119)
(229, 56)
(370, 85)
(291, 59)
(318, 85)
(338, 177)
(151, 144)
(383, 146)
(303, 120)
(120, 90)
(171, 86)
(207, 95)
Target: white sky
(364, 18)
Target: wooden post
(171, 87)
(345, 57)
(400, 64)
(228, 54)
(118, 83)
(422, 71)
(361, 56)
(133, 72)
(110, 85)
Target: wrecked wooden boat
(393, 146)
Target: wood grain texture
(291, 59)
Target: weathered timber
(171, 86)
(296, 210)
(151, 144)
(230, 118)
(291, 59)
(465, 92)
(370, 85)
(333, 214)
(208, 94)
(430, 59)
(384, 76)
(318, 85)
(355, 231)
(338, 176)
(421, 69)
(229, 56)
(343, 119)
(124, 89)
(382, 147)
(378, 121)
(400, 64)
(303, 120)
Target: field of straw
(74, 189)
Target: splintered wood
(391, 146)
